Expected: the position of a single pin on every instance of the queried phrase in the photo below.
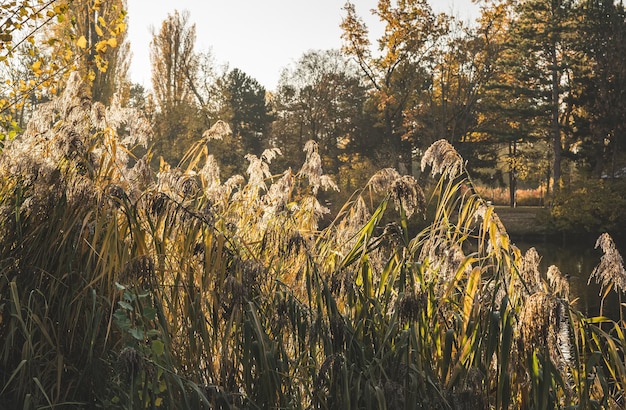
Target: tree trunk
(513, 174)
(555, 128)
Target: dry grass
(124, 288)
(524, 197)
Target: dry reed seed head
(481, 213)
(178, 184)
(210, 173)
(453, 256)
(136, 127)
(393, 231)
(140, 175)
(69, 144)
(251, 273)
(408, 194)
(337, 331)
(130, 362)
(312, 167)
(114, 194)
(141, 267)
(540, 322)
(295, 244)
(81, 191)
(98, 115)
(187, 185)
(443, 159)
(558, 283)
(529, 270)
(410, 306)
(311, 207)
(158, 204)
(610, 270)
(257, 171)
(217, 131)
(351, 223)
(234, 292)
(342, 282)
(279, 192)
(329, 366)
(382, 180)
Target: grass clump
(124, 287)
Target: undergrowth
(121, 287)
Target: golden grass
(124, 288)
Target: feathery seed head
(408, 194)
(537, 322)
(131, 363)
(217, 131)
(312, 167)
(443, 159)
(382, 180)
(558, 283)
(610, 270)
(529, 270)
(411, 305)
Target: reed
(127, 287)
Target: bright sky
(260, 37)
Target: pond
(576, 258)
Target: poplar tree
(178, 120)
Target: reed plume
(443, 159)
(610, 271)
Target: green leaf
(125, 305)
(136, 333)
(149, 313)
(158, 347)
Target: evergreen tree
(600, 86)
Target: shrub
(593, 206)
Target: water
(575, 259)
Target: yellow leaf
(36, 67)
(99, 30)
(120, 28)
(112, 42)
(81, 42)
(101, 46)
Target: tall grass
(126, 288)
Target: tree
(178, 119)
(320, 98)
(246, 110)
(173, 58)
(542, 32)
(459, 72)
(99, 30)
(600, 86)
(513, 105)
(397, 76)
(67, 44)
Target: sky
(260, 37)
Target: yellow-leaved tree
(43, 41)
